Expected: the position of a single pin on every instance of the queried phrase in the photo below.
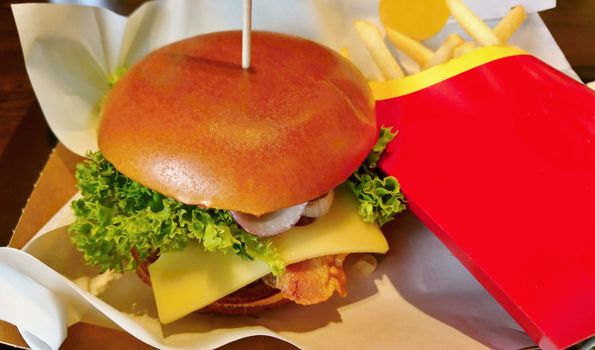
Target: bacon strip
(312, 281)
(307, 282)
(142, 268)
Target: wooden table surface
(25, 139)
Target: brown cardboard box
(55, 186)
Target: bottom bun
(250, 299)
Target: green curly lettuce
(117, 214)
(111, 81)
(380, 197)
(118, 73)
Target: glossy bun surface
(187, 121)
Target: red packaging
(496, 154)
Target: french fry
(374, 42)
(345, 52)
(446, 51)
(411, 47)
(472, 24)
(465, 49)
(510, 23)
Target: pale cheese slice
(187, 281)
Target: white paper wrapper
(71, 51)
(420, 296)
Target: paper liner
(419, 297)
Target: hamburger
(230, 190)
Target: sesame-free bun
(250, 299)
(187, 121)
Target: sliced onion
(366, 264)
(320, 206)
(272, 223)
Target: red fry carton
(495, 152)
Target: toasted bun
(246, 308)
(250, 299)
(190, 123)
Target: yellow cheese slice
(187, 281)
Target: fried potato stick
(374, 42)
(472, 24)
(345, 52)
(409, 46)
(465, 49)
(510, 23)
(446, 51)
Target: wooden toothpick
(246, 31)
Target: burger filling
(307, 282)
(311, 281)
(122, 225)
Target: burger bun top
(188, 122)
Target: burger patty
(142, 269)
(307, 282)
(254, 297)
(256, 290)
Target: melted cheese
(187, 281)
